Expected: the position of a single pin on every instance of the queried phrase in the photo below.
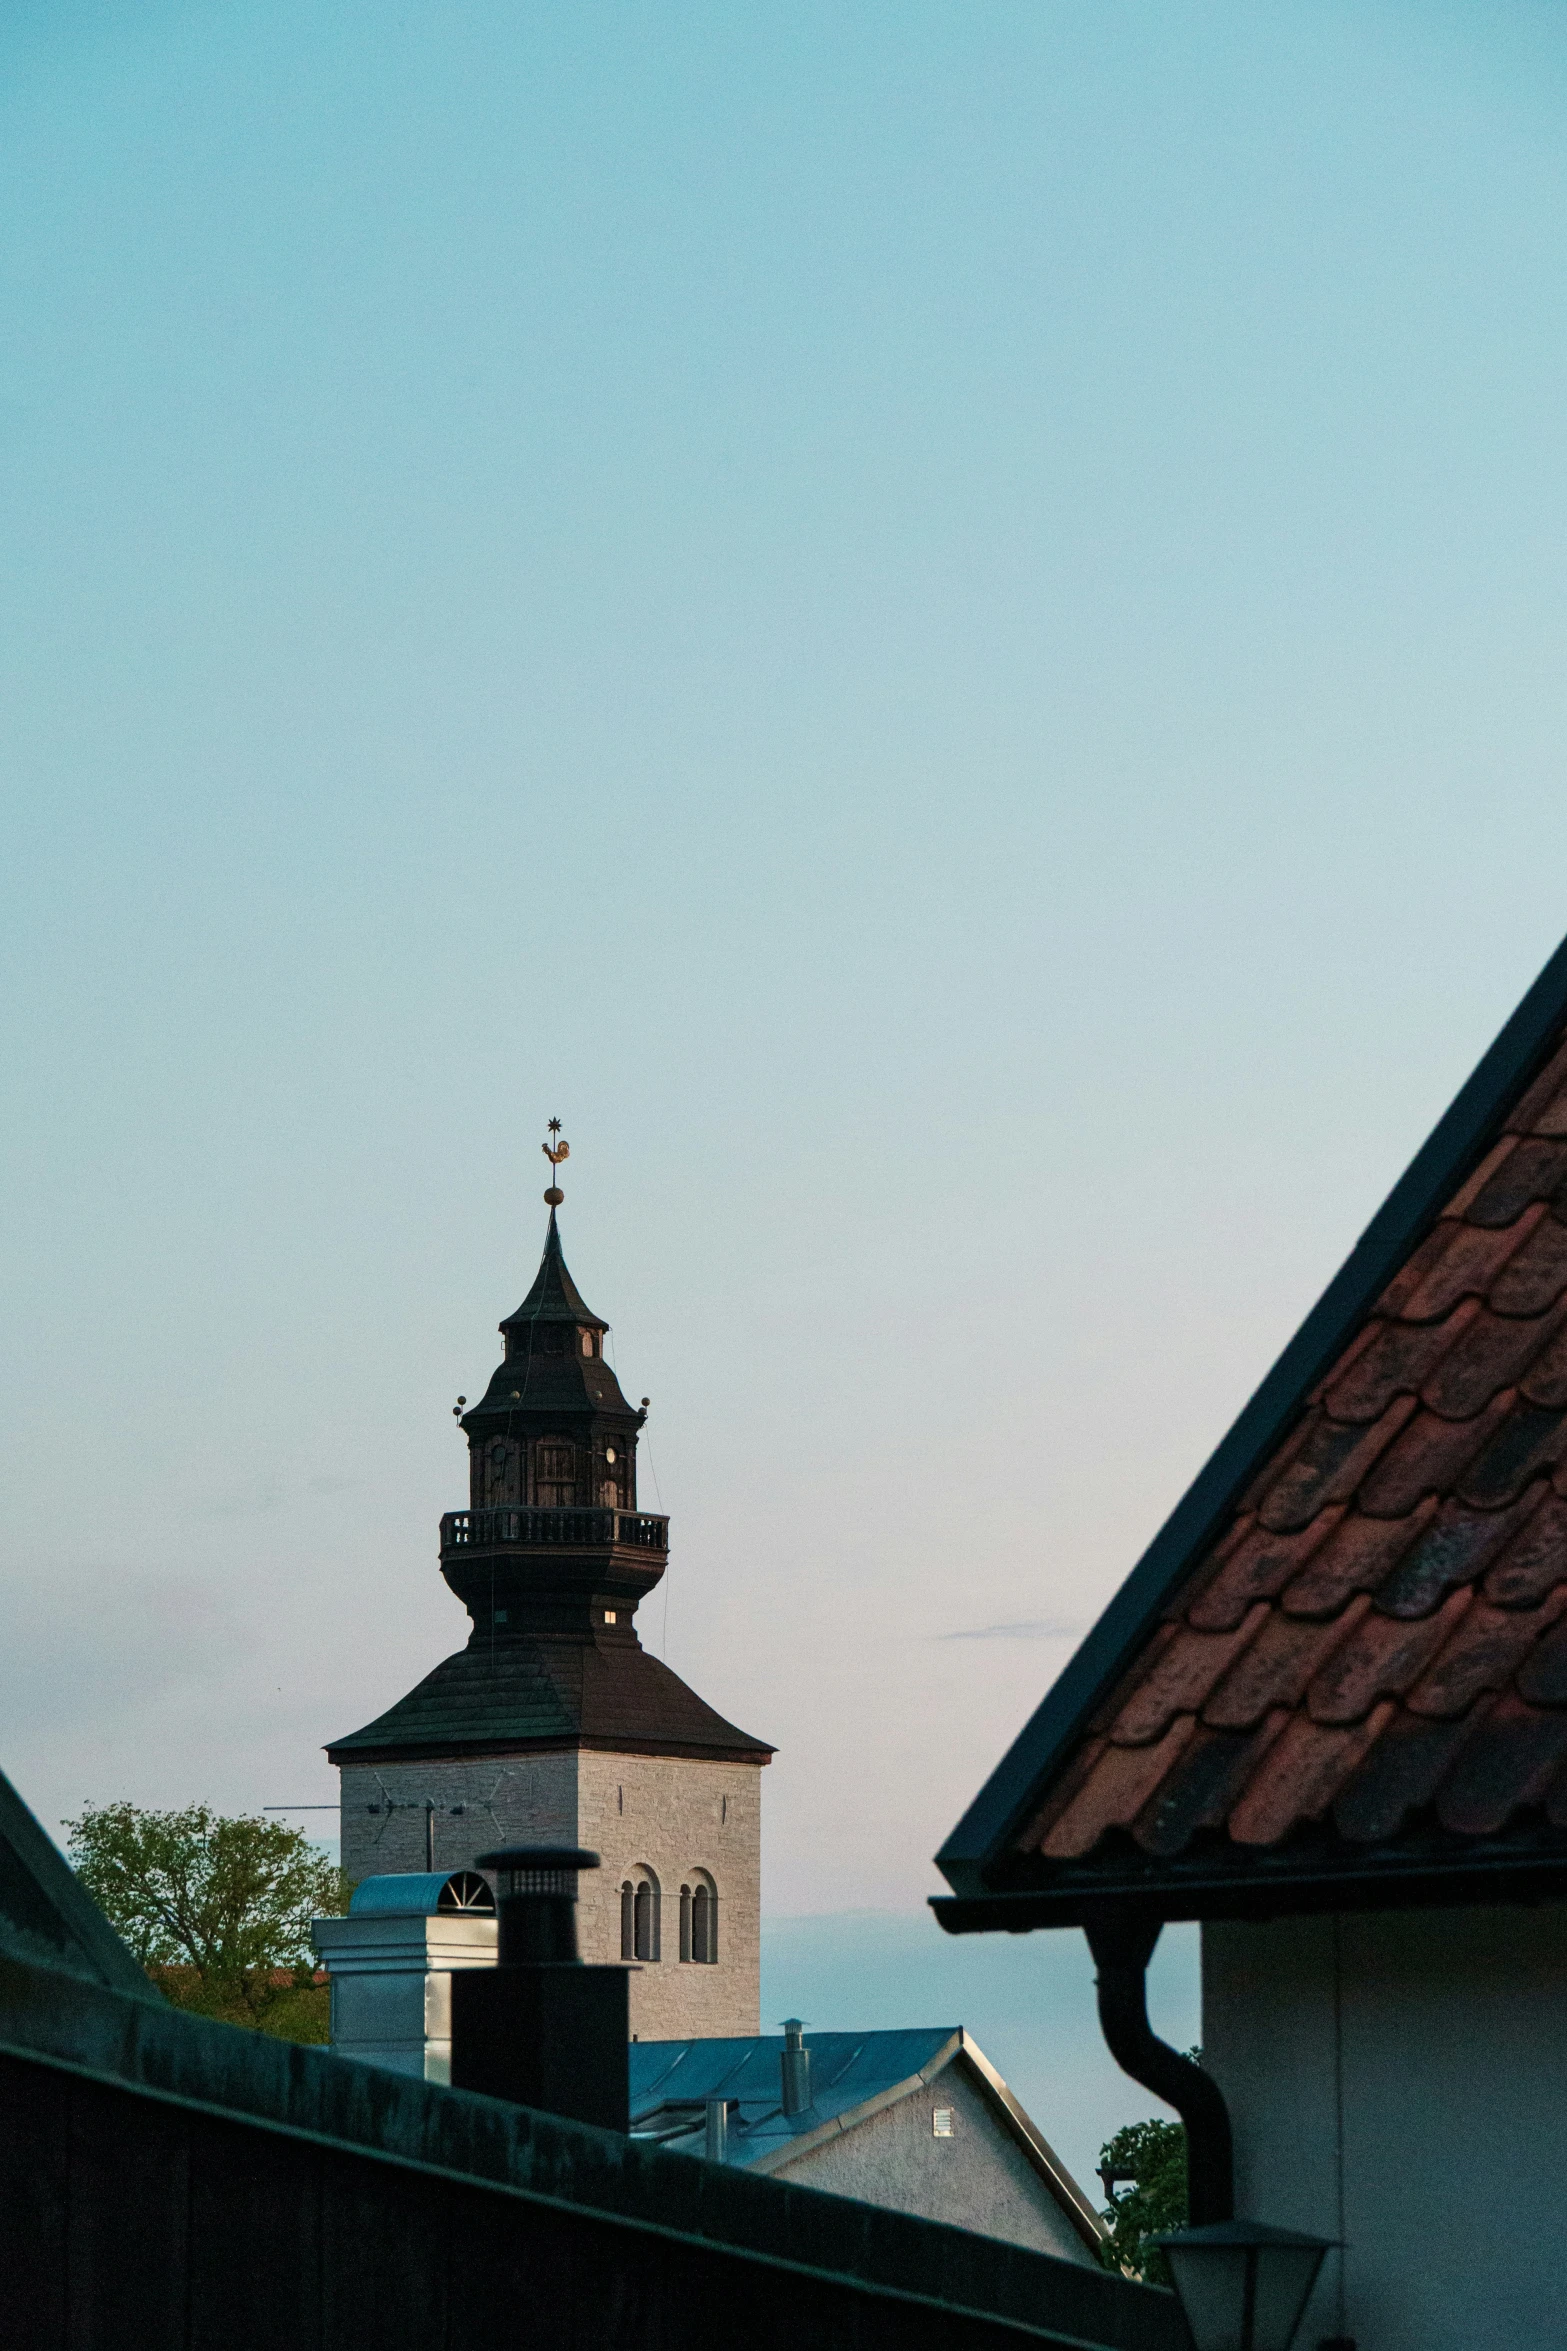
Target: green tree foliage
(1151, 2159)
(217, 1910)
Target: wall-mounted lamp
(1242, 2285)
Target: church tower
(554, 1726)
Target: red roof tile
(1533, 1278)
(1258, 1567)
(1382, 1656)
(1183, 1674)
(1457, 1546)
(1428, 1456)
(1399, 1360)
(1534, 1559)
(1543, 1678)
(1497, 1351)
(1482, 1652)
(1509, 1759)
(1459, 1261)
(1115, 1791)
(1532, 1171)
(1276, 1666)
(1358, 1556)
(1327, 1466)
(1301, 1774)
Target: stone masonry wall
(669, 1816)
(484, 1801)
(662, 1816)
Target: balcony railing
(507, 1528)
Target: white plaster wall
(668, 1814)
(978, 2179)
(1453, 2030)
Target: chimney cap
(528, 1857)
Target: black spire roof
(545, 1376)
(554, 1296)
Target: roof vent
(421, 1893)
(795, 2063)
(537, 1901)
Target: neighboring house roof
(1339, 1675)
(496, 1697)
(853, 2077)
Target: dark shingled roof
(554, 1296)
(572, 1692)
(1346, 1681)
(539, 1385)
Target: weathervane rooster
(555, 1153)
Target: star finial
(555, 1153)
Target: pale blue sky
(939, 626)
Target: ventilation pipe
(795, 2063)
(717, 2146)
(539, 2027)
(1122, 1944)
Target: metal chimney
(717, 2130)
(539, 2027)
(795, 2064)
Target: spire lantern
(552, 1431)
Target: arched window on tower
(628, 1920)
(699, 1920)
(704, 1924)
(645, 1923)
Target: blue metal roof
(410, 1893)
(848, 2071)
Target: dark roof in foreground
(1339, 1676)
(853, 2077)
(286, 2194)
(579, 1691)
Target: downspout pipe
(1122, 1944)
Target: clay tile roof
(1339, 1676)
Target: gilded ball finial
(555, 1153)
